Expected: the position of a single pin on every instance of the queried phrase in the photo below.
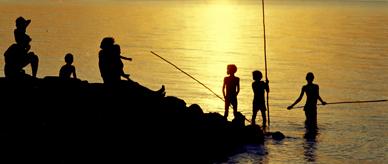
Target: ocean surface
(344, 43)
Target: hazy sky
(43, 1)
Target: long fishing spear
(347, 102)
(265, 58)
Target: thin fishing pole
(191, 78)
(348, 102)
(188, 75)
(265, 58)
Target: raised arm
(267, 86)
(297, 100)
(125, 58)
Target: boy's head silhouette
(257, 75)
(231, 69)
(107, 42)
(69, 58)
(310, 77)
(22, 23)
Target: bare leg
(264, 118)
(34, 60)
(226, 113)
(254, 113)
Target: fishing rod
(348, 102)
(191, 77)
(188, 75)
(265, 58)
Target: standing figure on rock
(259, 88)
(230, 89)
(310, 108)
(17, 56)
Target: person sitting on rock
(118, 64)
(21, 28)
(17, 56)
(68, 69)
(111, 68)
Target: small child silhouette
(259, 88)
(230, 89)
(68, 69)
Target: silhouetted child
(259, 88)
(310, 108)
(21, 28)
(67, 70)
(17, 56)
(118, 63)
(230, 89)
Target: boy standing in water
(310, 108)
(259, 88)
(230, 89)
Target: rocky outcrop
(54, 120)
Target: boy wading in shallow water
(310, 108)
(230, 89)
(259, 88)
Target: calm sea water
(345, 44)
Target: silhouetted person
(18, 56)
(110, 64)
(21, 28)
(259, 88)
(230, 89)
(106, 62)
(111, 67)
(68, 69)
(118, 63)
(310, 108)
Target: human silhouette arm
(320, 99)
(267, 85)
(238, 87)
(74, 74)
(223, 89)
(125, 58)
(297, 100)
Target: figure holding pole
(259, 87)
(265, 58)
(310, 108)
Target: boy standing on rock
(230, 89)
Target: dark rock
(73, 121)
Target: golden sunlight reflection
(221, 31)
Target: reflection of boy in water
(310, 108)
(230, 89)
